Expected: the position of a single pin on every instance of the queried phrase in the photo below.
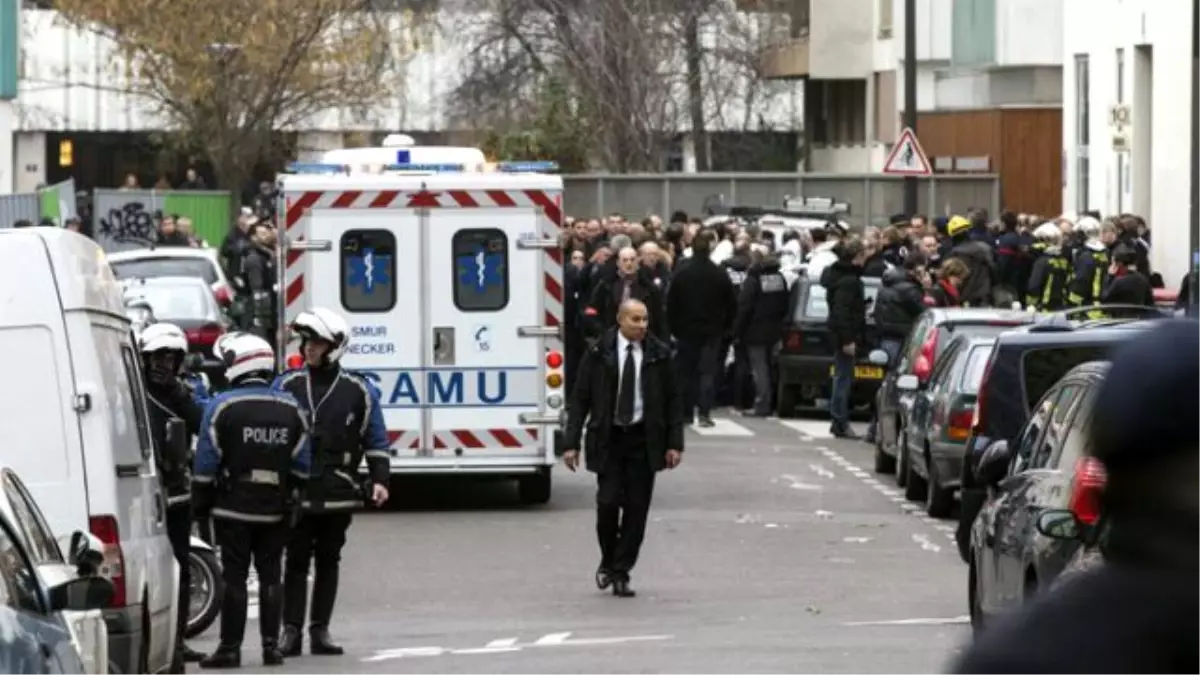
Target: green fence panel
(209, 212)
(49, 205)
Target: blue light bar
(317, 168)
(527, 167)
(427, 168)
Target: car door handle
(159, 507)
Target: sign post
(907, 157)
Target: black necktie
(628, 382)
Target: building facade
(1127, 123)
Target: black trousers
(696, 364)
(623, 492)
(318, 540)
(241, 543)
(179, 531)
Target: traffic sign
(907, 157)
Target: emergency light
(822, 206)
(344, 169)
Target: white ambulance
(449, 272)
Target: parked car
(938, 422)
(928, 339)
(1024, 364)
(185, 302)
(174, 261)
(51, 571)
(1045, 467)
(82, 405)
(806, 358)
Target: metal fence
(873, 198)
(21, 206)
(123, 217)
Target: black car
(1025, 363)
(806, 356)
(938, 422)
(1045, 468)
(930, 335)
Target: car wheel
(884, 463)
(785, 401)
(535, 489)
(938, 500)
(914, 485)
(901, 459)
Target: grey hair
(621, 241)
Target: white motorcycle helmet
(245, 354)
(322, 324)
(159, 337)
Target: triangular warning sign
(907, 157)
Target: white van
(73, 390)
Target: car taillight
(295, 361)
(958, 427)
(222, 294)
(923, 367)
(1086, 489)
(205, 335)
(979, 417)
(113, 567)
(792, 340)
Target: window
(137, 400)
(1083, 134)
(1056, 428)
(977, 362)
(38, 539)
(911, 348)
(816, 305)
(148, 268)
(885, 19)
(1073, 446)
(18, 582)
(480, 270)
(176, 302)
(973, 32)
(1031, 434)
(368, 268)
(1042, 368)
(945, 364)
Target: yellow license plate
(864, 372)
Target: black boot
(190, 655)
(271, 654)
(291, 643)
(225, 657)
(322, 645)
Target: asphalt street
(773, 548)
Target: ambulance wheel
(535, 489)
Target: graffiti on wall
(126, 220)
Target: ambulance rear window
(480, 270)
(368, 262)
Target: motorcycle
(207, 590)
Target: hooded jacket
(846, 298)
(898, 304)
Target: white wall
(1028, 32)
(841, 42)
(1098, 28)
(934, 23)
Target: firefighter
(1051, 271)
(252, 460)
(347, 426)
(1091, 265)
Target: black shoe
(291, 643)
(224, 658)
(271, 655)
(846, 433)
(706, 422)
(603, 580)
(322, 645)
(190, 655)
(621, 589)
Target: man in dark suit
(626, 394)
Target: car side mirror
(85, 550)
(1060, 524)
(908, 383)
(993, 465)
(878, 357)
(82, 594)
(177, 439)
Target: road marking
(817, 429)
(856, 540)
(820, 471)
(913, 622)
(723, 426)
(507, 645)
(552, 640)
(797, 484)
(926, 545)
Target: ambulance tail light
(554, 360)
(112, 567)
(554, 379)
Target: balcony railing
(786, 59)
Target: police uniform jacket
(173, 403)
(252, 455)
(762, 306)
(346, 423)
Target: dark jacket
(762, 306)
(1130, 288)
(1090, 275)
(977, 289)
(899, 302)
(600, 313)
(1048, 281)
(943, 294)
(702, 303)
(165, 404)
(875, 266)
(847, 303)
(594, 399)
(737, 267)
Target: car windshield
(976, 365)
(177, 302)
(149, 268)
(817, 308)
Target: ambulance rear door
(371, 276)
(482, 374)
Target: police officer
(347, 425)
(164, 347)
(758, 325)
(252, 459)
(1137, 612)
(258, 266)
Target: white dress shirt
(622, 354)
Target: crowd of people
(719, 291)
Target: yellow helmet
(957, 226)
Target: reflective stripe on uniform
(178, 499)
(262, 477)
(378, 454)
(338, 505)
(204, 479)
(227, 514)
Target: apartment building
(989, 80)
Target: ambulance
(448, 270)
